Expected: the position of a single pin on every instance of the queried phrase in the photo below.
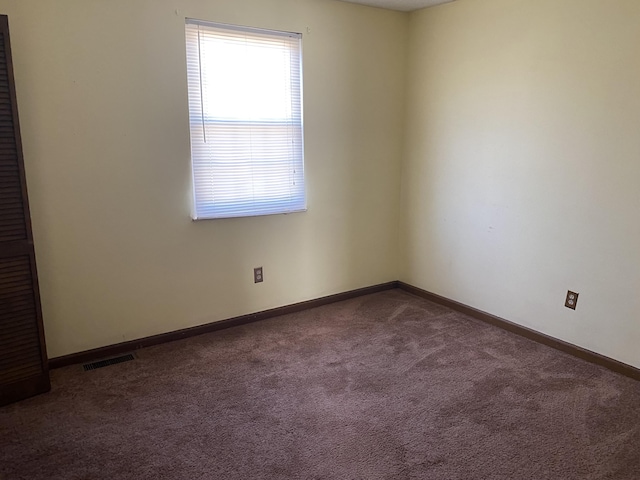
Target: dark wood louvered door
(23, 360)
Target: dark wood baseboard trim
(119, 348)
(584, 354)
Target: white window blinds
(245, 113)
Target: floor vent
(107, 362)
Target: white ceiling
(403, 5)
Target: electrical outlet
(257, 275)
(572, 300)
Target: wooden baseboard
(584, 354)
(579, 352)
(119, 348)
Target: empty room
(320, 239)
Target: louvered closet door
(23, 360)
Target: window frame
(276, 200)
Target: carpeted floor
(386, 386)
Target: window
(245, 115)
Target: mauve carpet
(386, 386)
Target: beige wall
(519, 181)
(103, 104)
(522, 168)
